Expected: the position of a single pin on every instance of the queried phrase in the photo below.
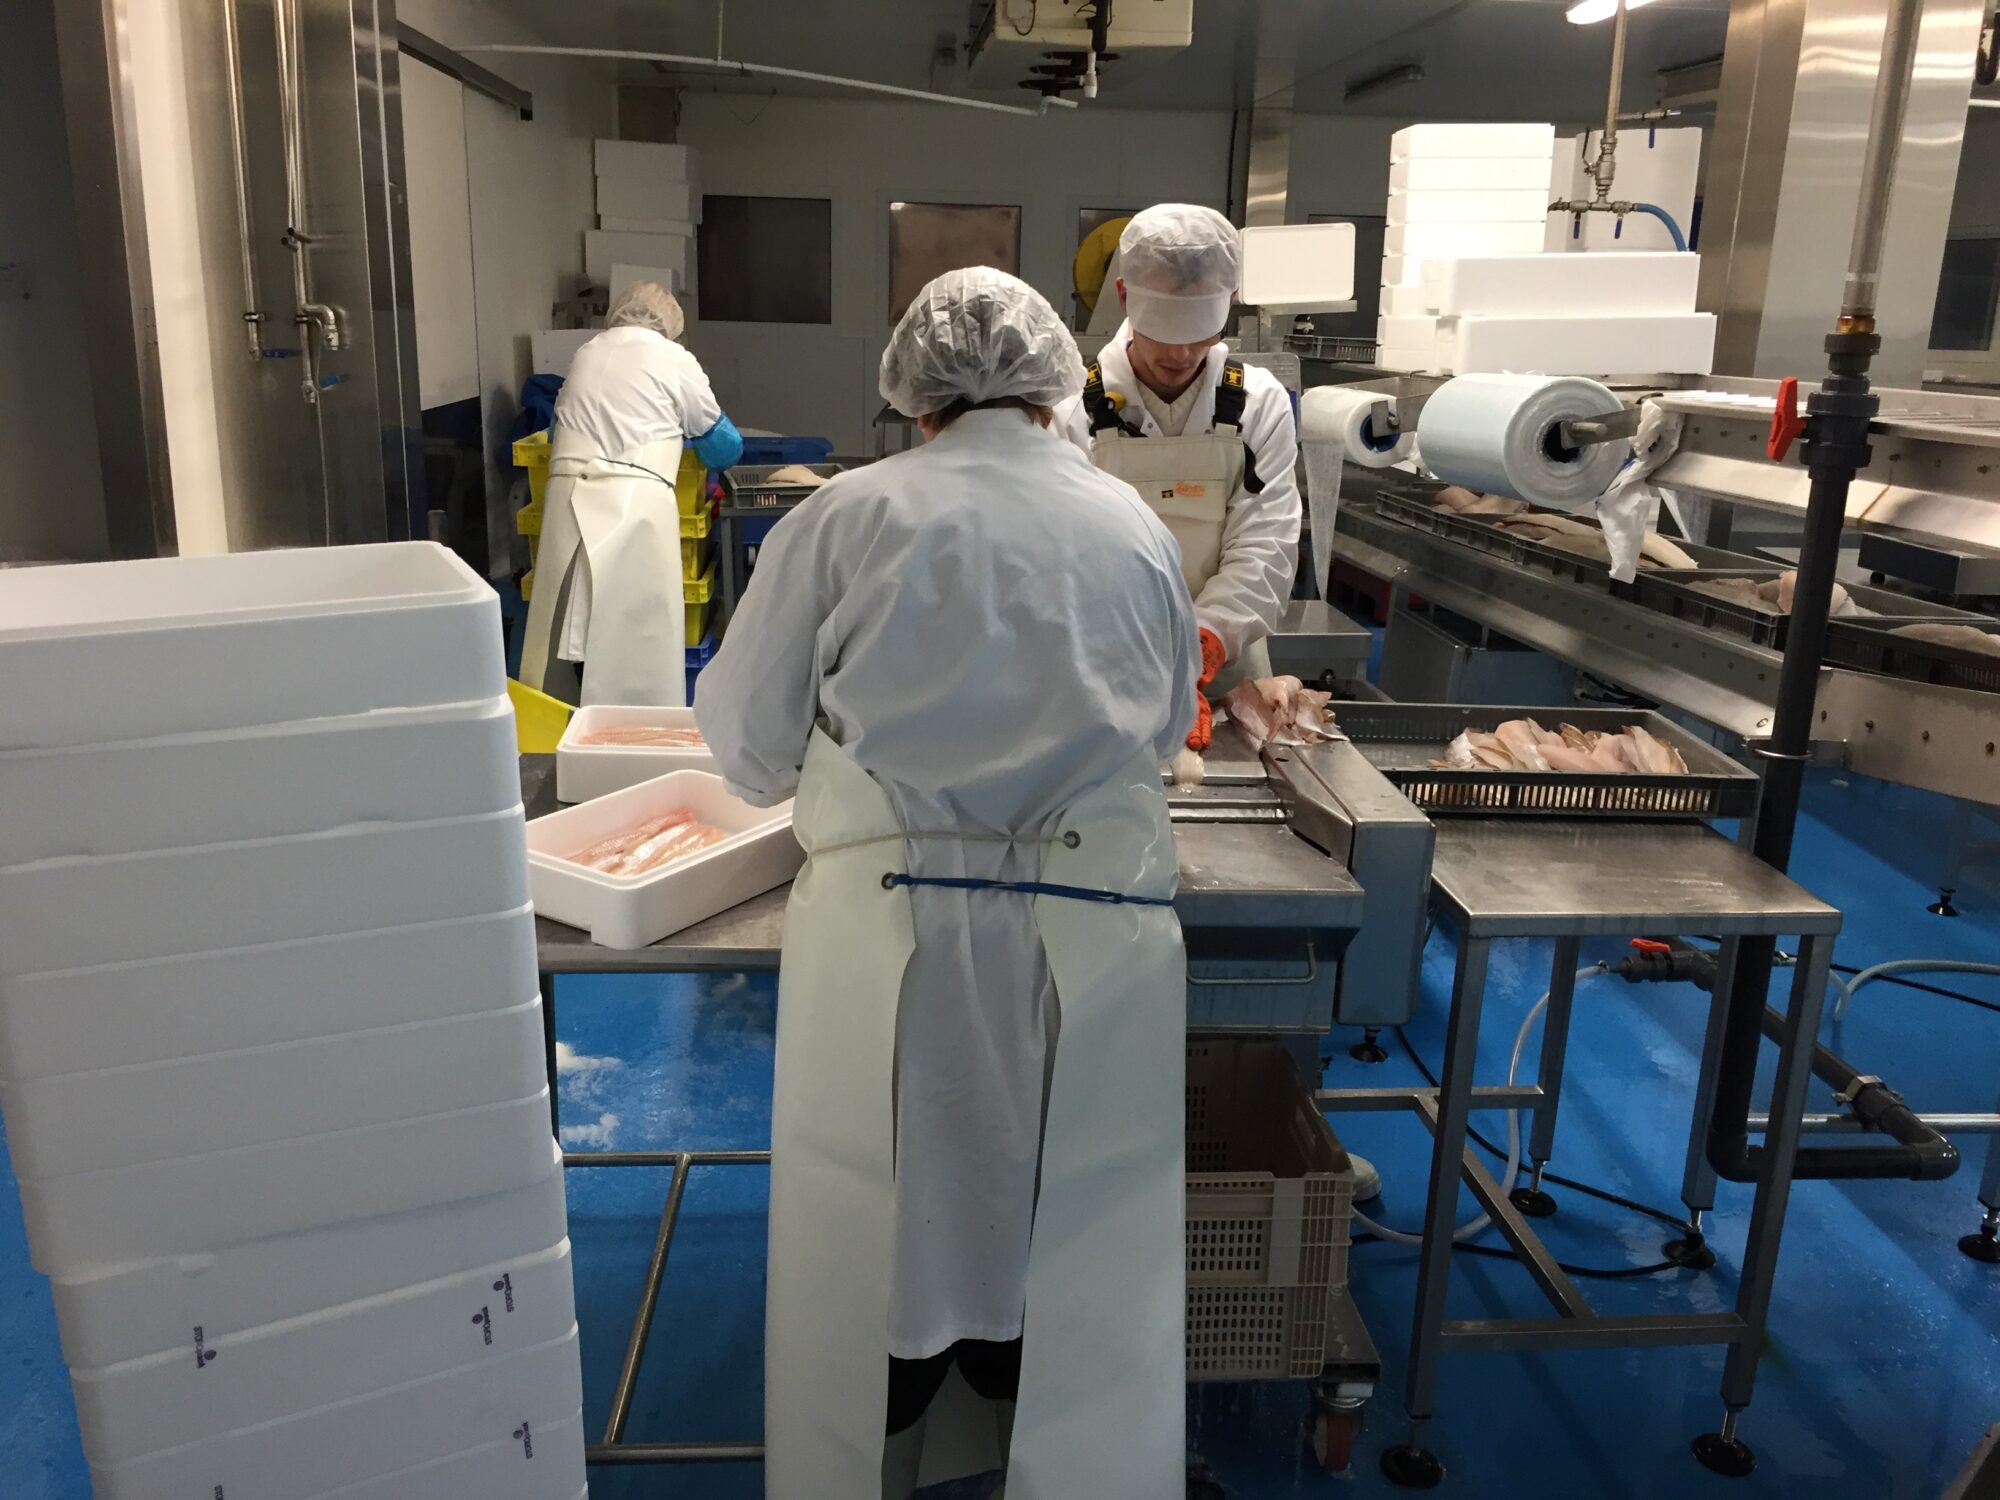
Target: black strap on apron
(1232, 400)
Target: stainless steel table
(1500, 878)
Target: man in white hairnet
(607, 588)
(968, 662)
(1208, 442)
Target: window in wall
(928, 239)
(765, 260)
(1093, 256)
(1968, 294)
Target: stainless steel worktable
(1498, 877)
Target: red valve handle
(1652, 945)
(1786, 423)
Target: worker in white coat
(608, 591)
(977, 1128)
(1210, 443)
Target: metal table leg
(549, 1050)
(1985, 1244)
(1723, 1450)
(1531, 1200)
(1412, 1464)
(1698, 1181)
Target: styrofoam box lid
(663, 158)
(1298, 265)
(127, 1117)
(126, 650)
(587, 771)
(673, 278)
(1473, 140)
(1417, 174)
(109, 1315)
(1469, 206)
(1678, 344)
(1564, 283)
(393, 765)
(369, 1437)
(119, 1015)
(540, 1464)
(217, 1383)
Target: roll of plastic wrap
(1498, 434)
(1341, 414)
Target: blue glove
(721, 445)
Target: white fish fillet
(1964, 637)
(1188, 768)
(1524, 745)
(648, 735)
(649, 844)
(1279, 711)
(795, 474)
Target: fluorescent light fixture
(1993, 103)
(1585, 11)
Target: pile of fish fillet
(1963, 637)
(1775, 595)
(1280, 711)
(645, 736)
(649, 845)
(1524, 745)
(1560, 532)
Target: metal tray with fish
(1402, 739)
(754, 487)
(1874, 646)
(1483, 535)
(1673, 591)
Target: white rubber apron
(1101, 1410)
(608, 576)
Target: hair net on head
(978, 335)
(1182, 266)
(647, 304)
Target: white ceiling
(1482, 59)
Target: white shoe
(1367, 1181)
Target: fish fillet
(1963, 637)
(1188, 768)
(795, 474)
(647, 735)
(1279, 711)
(1522, 739)
(1663, 553)
(1525, 745)
(649, 844)
(1654, 755)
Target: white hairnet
(647, 304)
(1182, 266)
(978, 335)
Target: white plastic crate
(120, 1015)
(1563, 285)
(1461, 140)
(271, 780)
(156, 1112)
(116, 1314)
(127, 650)
(587, 771)
(1469, 206)
(631, 911)
(1452, 173)
(220, 1383)
(314, 1453)
(192, 1204)
(540, 1464)
(68, 913)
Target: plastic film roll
(1499, 434)
(1341, 414)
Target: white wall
(51, 490)
(820, 379)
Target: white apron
(608, 576)
(1101, 1410)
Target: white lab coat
(1260, 539)
(993, 629)
(632, 386)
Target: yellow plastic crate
(691, 485)
(699, 596)
(695, 562)
(539, 720)
(533, 453)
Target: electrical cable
(1596, 1273)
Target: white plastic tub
(69, 913)
(392, 766)
(126, 650)
(631, 911)
(587, 771)
(317, 1452)
(120, 1313)
(156, 1112)
(118, 1015)
(216, 1384)
(194, 1203)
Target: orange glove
(1213, 655)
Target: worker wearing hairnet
(607, 587)
(1209, 443)
(977, 1131)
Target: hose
(1680, 240)
(1477, 1225)
(1874, 972)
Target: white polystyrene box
(655, 161)
(603, 249)
(1425, 241)
(631, 911)
(68, 913)
(192, 1204)
(1388, 357)
(554, 348)
(1427, 173)
(667, 207)
(1462, 140)
(127, 650)
(314, 1453)
(1411, 332)
(126, 1117)
(117, 1015)
(1406, 302)
(623, 276)
(299, 777)
(112, 1315)
(1682, 344)
(1469, 206)
(1545, 285)
(540, 1464)
(1302, 266)
(1396, 271)
(218, 1383)
(587, 771)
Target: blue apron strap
(1024, 887)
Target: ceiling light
(1585, 11)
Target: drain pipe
(1836, 448)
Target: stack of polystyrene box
(1455, 190)
(270, 1036)
(648, 203)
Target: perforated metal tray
(1401, 739)
(1672, 591)
(1875, 647)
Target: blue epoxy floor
(1885, 1360)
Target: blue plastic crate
(786, 450)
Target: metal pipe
(1878, 166)
(649, 1303)
(1605, 167)
(673, 1453)
(665, 1158)
(1962, 1124)
(239, 148)
(310, 316)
